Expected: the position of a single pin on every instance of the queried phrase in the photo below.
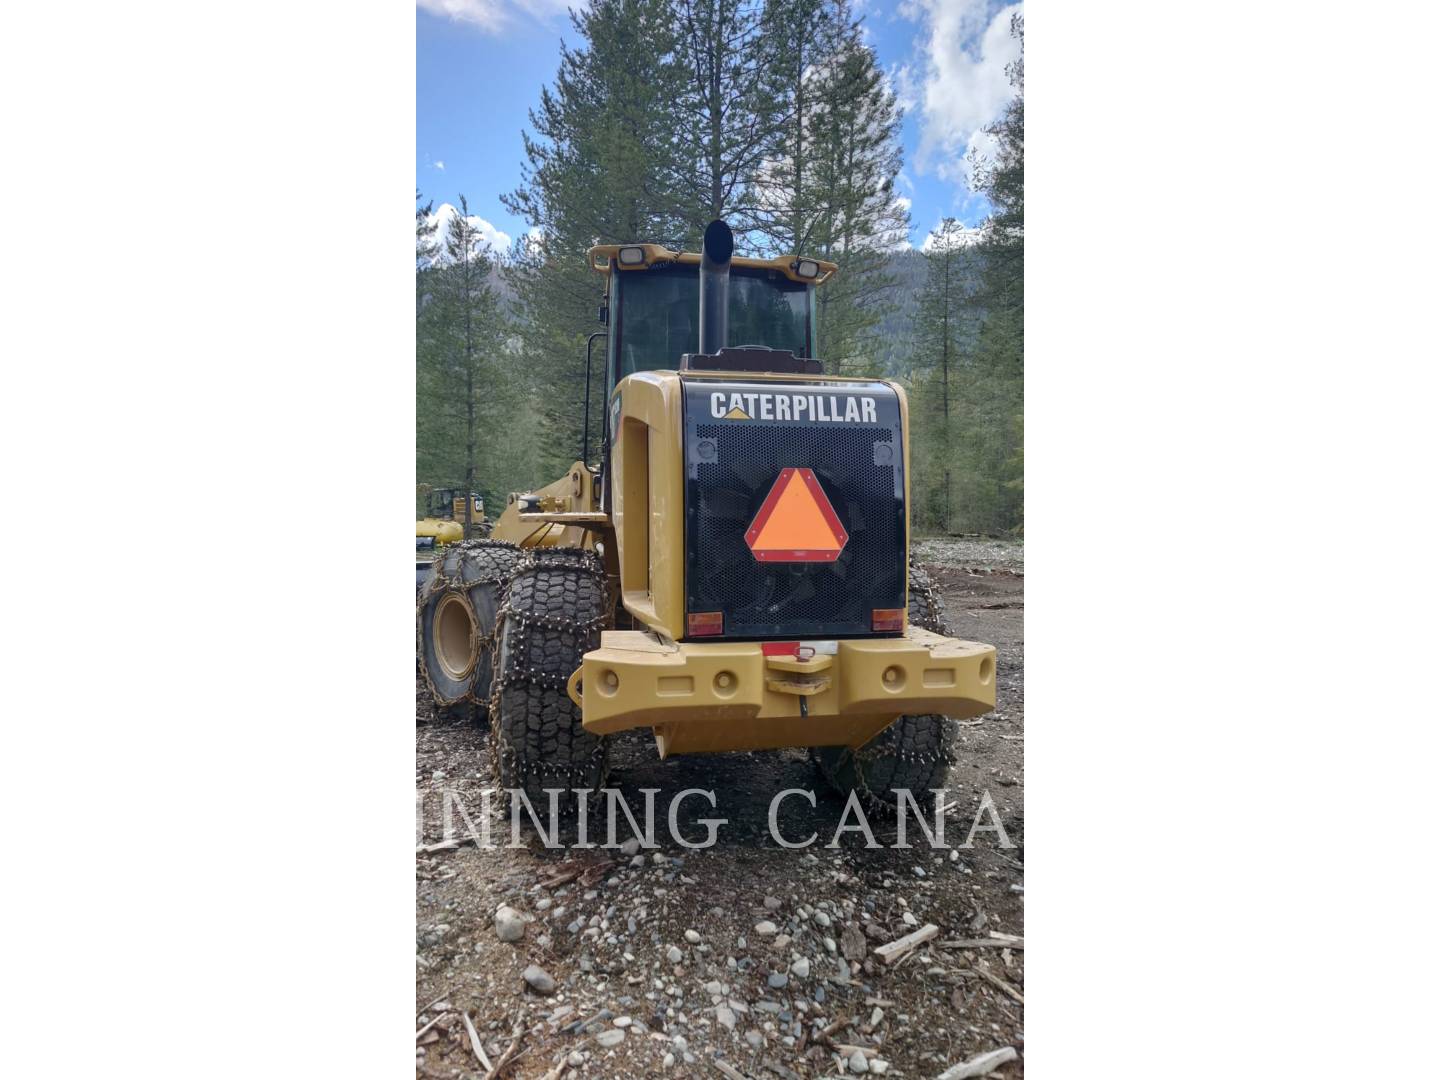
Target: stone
(801, 968)
(877, 1016)
(630, 847)
(755, 1039)
(610, 1037)
(777, 980)
(821, 919)
(659, 859)
(879, 1066)
(858, 1063)
(766, 928)
(692, 937)
(509, 924)
(772, 903)
(725, 1017)
(667, 1061)
(621, 1021)
(638, 861)
(910, 919)
(540, 980)
(674, 955)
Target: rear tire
(455, 620)
(915, 752)
(557, 604)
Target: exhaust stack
(715, 255)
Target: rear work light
(705, 623)
(887, 619)
(632, 256)
(805, 268)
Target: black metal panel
(849, 434)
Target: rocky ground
(745, 958)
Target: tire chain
(877, 747)
(459, 583)
(538, 558)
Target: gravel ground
(744, 956)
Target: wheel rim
(455, 637)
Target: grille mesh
(807, 599)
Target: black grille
(731, 466)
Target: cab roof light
(632, 256)
(807, 268)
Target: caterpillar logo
(826, 408)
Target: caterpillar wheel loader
(733, 570)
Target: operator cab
(653, 304)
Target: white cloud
(440, 165)
(963, 238)
(959, 85)
(495, 15)
(490, 236)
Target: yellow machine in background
(434, 531)
(733, 573)
(444, 522)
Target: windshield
(659, 315)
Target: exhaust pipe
(715, 286)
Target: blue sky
(480, 65)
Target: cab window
(659, 315)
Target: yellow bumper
(731, 696)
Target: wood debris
(505, 1060)
(901, 947)
(852, 943)
(1005, 942)
(979, 1066)
(475, 1042)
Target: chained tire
(455, 620)
(914, 753)
(557, 604)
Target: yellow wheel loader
(435, 529)
(732, 573)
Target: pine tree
(459, 336)
(858, 221)
(725, 113)
(994, 454)
(937, 376)
(802, 41)
(601, 163)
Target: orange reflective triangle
(796, 522)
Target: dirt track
(606, 939)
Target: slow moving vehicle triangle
(796, 523)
